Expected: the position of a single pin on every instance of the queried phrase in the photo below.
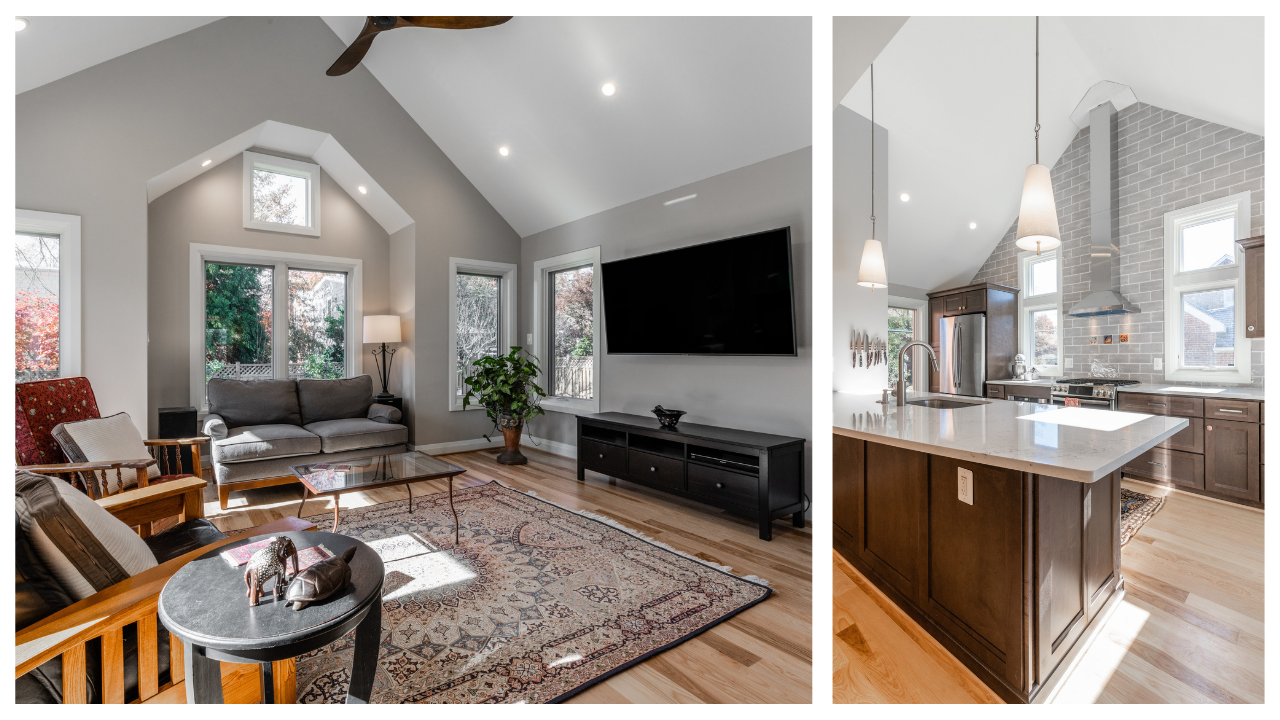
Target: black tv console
(748, 473)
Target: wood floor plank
(763, 654)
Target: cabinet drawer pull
(1156, 404)
(719, 486)
(1153, 462)
(653, 469)
(602, 455)
(1238, 412)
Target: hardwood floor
(763, 654)
(1190, 628)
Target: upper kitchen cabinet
(1254, 286)
(999, 303)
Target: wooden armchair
(105, 615)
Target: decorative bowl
(667, 418)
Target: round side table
(204, 604)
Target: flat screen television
(729, 297)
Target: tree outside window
(237, 319)
(37, 321)
(901, 331)
(479, 322)
(279, 198)
(317, 324)
(572, 328)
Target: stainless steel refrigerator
(962, 359)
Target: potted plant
(504, 386)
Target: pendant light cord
(873, 151)
(1037, 90)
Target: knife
(857, 355)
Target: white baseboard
(458, 446)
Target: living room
(280, 246)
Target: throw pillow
(84, 546)
(104, 439)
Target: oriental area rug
(536, 604)
(1135, 510)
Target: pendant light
(871, 272)
(1038, 215)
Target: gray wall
(88, 143)
(208, 210)
(761, 394)
(1167, 161)
(856, 308)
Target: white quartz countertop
(1224, 392)
(1085, 445)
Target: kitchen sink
(943, 403)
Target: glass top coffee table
(366, 473)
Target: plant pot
(511, 429)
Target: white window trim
(1177, 282)
(507, 321)
(1045, 301)
(541, 270)
(291, 167)
(201, 253)
(921, 307)
(70, 329)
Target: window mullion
(280, 321)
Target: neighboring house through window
(1204, 280)
(482, 312)
(1040, 311)
(567, 293)
(46, 296)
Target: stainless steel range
(1090, 392)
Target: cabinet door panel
(1238, 410)
(1231, 459)
(1189, 439)
(1169, 466)
(846, 482)
(893, 509)
(1162, 404)
(610, 460)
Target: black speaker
(178, 422)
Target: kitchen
(1047, 495)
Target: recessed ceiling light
(206, 162)
(503, 151)
(362, 190)
(609, 89)
(21, 24)
(904, 197)
(973, 226)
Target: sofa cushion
(101, 439)
(83, 545)
(257, 442)
(356, 433)
(254, 402)
(321, 400)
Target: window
(902, 323)
(1040, 310)
(568, 326)
(1204, 275)
(281, 195)
(482, 314)
(46, 296)
(240, 295)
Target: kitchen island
(995, 525)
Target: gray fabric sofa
(259, 428)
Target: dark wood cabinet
(1009, 583)
(1232, 459)
(1000, 303)
(1162, 405)
(749, 473)
(1183, 469)
(1254, 286)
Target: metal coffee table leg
(267, 676)
(456, 527)
(204, 676)
(336, 498)
(409, 487)
(364, 664)
(304, 501)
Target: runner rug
(1135, 510)
(537, 604)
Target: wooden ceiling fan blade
(451, 22)
(352, 56)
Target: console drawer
(1238, 410)
(1171, 466)
(655, 469)
(1162, 405)
(722, 487)
(1189, 439)
(608, 459)
(995, 391)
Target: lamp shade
(871, 272)
(382, 328)
(1038, 215)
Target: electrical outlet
(1070, 362)
(966, 486)
(529, 338)
(1159, 363)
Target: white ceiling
(957, 97)
(696, 97)
(55, 47)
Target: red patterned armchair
(44, 404)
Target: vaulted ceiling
(957, 96)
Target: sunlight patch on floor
(428, 572)
(1104, 657)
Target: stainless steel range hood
(1104, 218)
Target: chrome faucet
(901, 390)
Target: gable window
(482, 313)
(1204, 277)
(281, 195)
(258, 314)
(568, 329)
(46, 256)
(1040, 311)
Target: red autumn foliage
(36, 342)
